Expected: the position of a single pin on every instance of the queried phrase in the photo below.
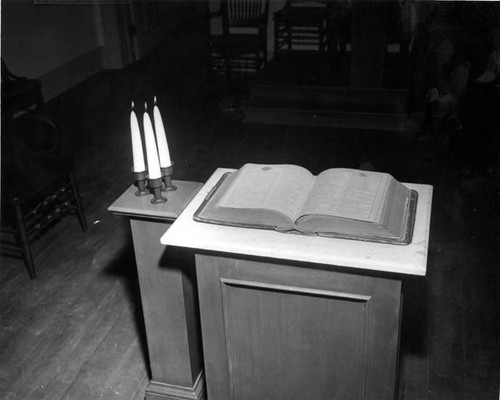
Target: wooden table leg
(170, 305)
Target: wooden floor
(76, 331)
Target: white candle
(151, 151)
(137, 152)
(161, 138)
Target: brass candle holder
(155, 186)
(140, 182)
(166, 174)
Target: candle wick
(145, 105)
(155, 100)
(133, 105)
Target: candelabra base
(158, 200)
(155, 185)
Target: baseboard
(70, 74)
(164, 391)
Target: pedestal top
(130, 204)
(409, 259)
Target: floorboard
(113, 371)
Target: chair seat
(239, 43)
(301, 15)
(46, 173)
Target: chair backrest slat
(246, 11)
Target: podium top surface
(130, 204)
(410, 259)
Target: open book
(339, 202)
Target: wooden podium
(287, 316)
(168, 294)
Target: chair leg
(22, 237)
(78, 201)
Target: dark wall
(57, 44)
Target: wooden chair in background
(301, 23)
(242, 46)
(38, 185)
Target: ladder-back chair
(38, 185)
(302, 24)
(242, 46)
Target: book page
(348, 193)
(281, 188)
